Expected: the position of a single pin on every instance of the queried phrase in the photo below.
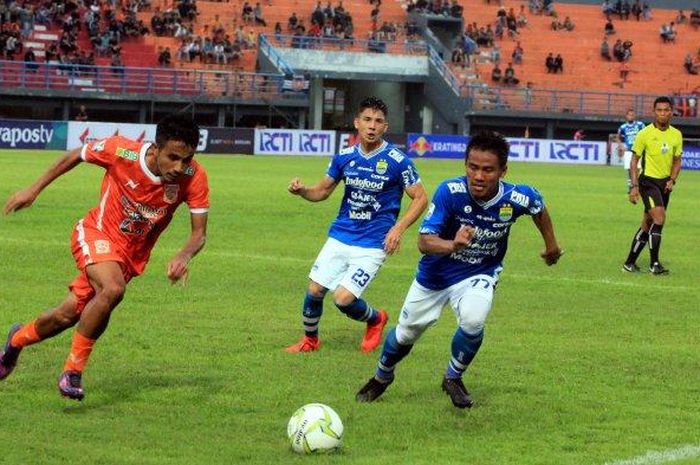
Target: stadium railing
(399, 47)
(134, 80)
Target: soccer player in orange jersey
(143, 185)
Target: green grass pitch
(581, 364)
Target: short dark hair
(373, 103)
(177, 127)
(490, 141)
(663, 99)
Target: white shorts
(470, 299)
(627, 159)
(345, 265)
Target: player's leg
(471, 300)
(325, 274)
(655, 201)
(109, 283)
(363, 266)
(421, 309)
(626, 162)
(46, 325)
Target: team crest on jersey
(381, 166)
(171, 193)
(665, 148)
(505, 213)
(99, 146)
(102, 246)
(128, 154)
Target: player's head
(177, 137)
(629, 116)
(486, 161)
(371, 120)
(663, 110)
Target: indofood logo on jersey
(421, 146)
(505, 212)
(382, 166)
(364, 184)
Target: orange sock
(26, 335)
(79, 353)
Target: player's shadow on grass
(108, 392)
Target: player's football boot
(657, 268)
(70, 385)
(373, 334)
(372, 390)
(458, 393)
(8, 358)
(630, 267)
(307, 344)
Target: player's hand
(177, 271)
(296, 187)
(634, 195)
(19, 200)
(392, 241)
(620, 152)
(552, 256)
(463, 238)
(669, 185)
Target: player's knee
(343, 298)
(113, 292)
(409, 334)
(66, 315)
(471, 325)
(316, 290)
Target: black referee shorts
(653, 192)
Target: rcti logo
(421, 146)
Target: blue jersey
(374, 185)
(453, 207)
(628, 131)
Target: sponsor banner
(346, 139)
(18, 134)
(81, 133)
(691, 157)
(294, 142)
(436, 145)
(558, 151)
(229, 140)
(298, 83)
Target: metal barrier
(408, 47)
(123, 80)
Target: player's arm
(25, 197)
(634, 178)
(620, 145)
(177, 267)
(432, 244)
(675, 171)
(552, 252)
(419, 200)
(316, 193)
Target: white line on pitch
(659, 457)
(309, 261)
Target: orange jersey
(135, 204)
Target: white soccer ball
(315, 428)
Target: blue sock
(464, 349)
(311, 314)
(392, 354)
(359, 310)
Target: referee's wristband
(673, 181)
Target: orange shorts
(92, 246)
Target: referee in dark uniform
(659, 146)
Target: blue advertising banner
(691, 157)
(21, 134)
(436, 146)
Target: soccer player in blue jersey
(464, 237)
(625, 139)
(367, 228)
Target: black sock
(655, 241)
(638, 243)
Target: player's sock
(311, 314)
(638, 243)
(655, 241)
(79, 353)
(359, 310)
(26, 336)
(464, 349)
(392, 353)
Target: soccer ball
(315, 428)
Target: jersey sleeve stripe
(199, 211)
(83, 152)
